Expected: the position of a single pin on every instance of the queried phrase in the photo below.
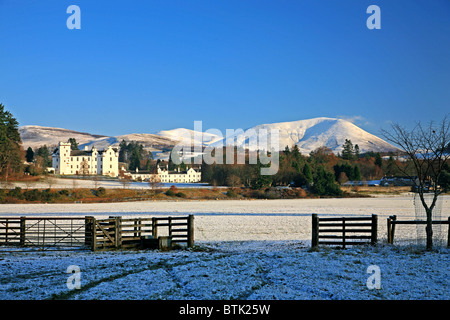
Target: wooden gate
(44, 232)
(117, 232)
(344, 231)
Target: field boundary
(88, 232)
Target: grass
(102, 195)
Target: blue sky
(145, 66)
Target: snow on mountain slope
(148, 140)
(37, 136)
(308, 135)
(186, 136)
(311, 134)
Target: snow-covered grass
(229, 270)
(244, 250)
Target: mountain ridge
(308, 135)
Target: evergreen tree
(356, 174)
(135, 160)
(29, 155)
(10, 144)
(287, 151)
(444, 178)
(307, 173)
(123, 151)
(45, 154)
(73, 144)
(357, 153)
(348, 151)
(324, 183)
(378, 160)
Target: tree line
(321, 172)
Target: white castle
(85, 162)
(163, 175)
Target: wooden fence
(392, 222)
(344, 231)
(95, 234)
(43, 232)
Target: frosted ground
(245, 249)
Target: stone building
(85, 162)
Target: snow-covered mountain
(189, 137)
(308, 135)
(37, 136)
(311, 134)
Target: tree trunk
(429, 230)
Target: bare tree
(84, 167)
(126, 180)
(154, 182)
(50, 181)
(95, 180)
(425, 147)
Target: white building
(85, 162)
(191, 175)
(188, 176)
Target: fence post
(394, 218)
(389, 230)
(22, 231)
(88, 230)
(448, 233)
(343, 232)
(315, 230)
(374, 238)
(191, 230)
(169, 222)
(118, 231)
(154, 228)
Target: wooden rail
(392, 222)
(344, 231)
(43, 232)
(95, 234)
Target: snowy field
(245, 249)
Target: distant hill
(311, 134)
(308, 135)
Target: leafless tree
(126, 180)
(50, 181)
(426, 149)
(95, 180)
(154, 182)
(84, 168)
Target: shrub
(101, 192)
(64, 192)
(48, 196)
(324, 183)
(231, 194)
(16, 193)
(32, 195)
(181, 195)
(170, 193)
